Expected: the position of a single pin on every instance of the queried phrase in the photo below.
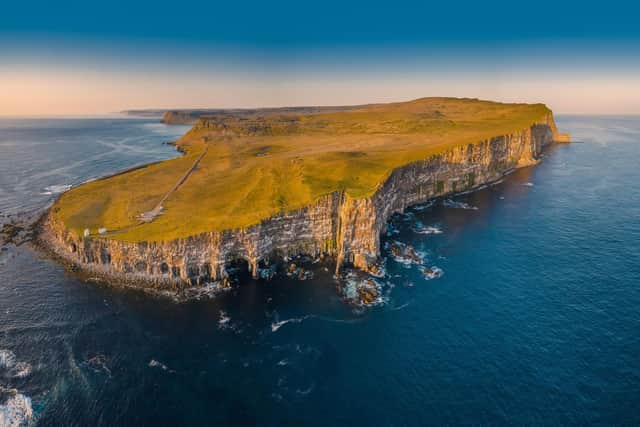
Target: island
(259, 186)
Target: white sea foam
(21, 370)
(153, 363)
(7, 359)
(89, 180)
(528, 184)
(448, 203)
(277, 325)
(420, 228)
(207, 291)
(223, 321)
(16, 411)
(353, 283)
(56, 189)
(11, 367)
(400, 307)
(306, 391)
(380, 273)
(424, 206)
(408, 216)
(350, 288)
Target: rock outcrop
(336, 224)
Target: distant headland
(188, 116)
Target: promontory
(262, 185)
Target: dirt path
(153, 213)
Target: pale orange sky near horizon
(44, 92)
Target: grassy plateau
(257, 165)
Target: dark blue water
(536, 319)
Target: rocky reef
(335, 225)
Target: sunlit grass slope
(259, 165)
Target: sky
(87, 58)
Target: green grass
(258, 166)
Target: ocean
(534, 318)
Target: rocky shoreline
(336, 225)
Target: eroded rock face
(179, 117)
(336, 224)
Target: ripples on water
(534, 321)
(42, 157)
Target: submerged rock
(359, 289)
(403, 253)
(367, 293)
(432, 272)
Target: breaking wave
(7, 359)
(153, 363)
(448, 203)
(16, 410)
(22, 370)
(223, 321)
(56, 189)
(277, 325)
(11, 367)
(400, 307)
(192, 293)
(420, 228)
(423, 206)
(408, 216)
(306, 391)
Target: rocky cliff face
(179, 117)
(336, 224)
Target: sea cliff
(180, 117)
(335, 225)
